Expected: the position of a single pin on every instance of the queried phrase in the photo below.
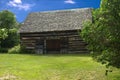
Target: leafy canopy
(8, 29)
(3, 33)
(7, 19)
(103, 34)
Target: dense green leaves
(3, 33)
(103, 34)
(7, 19)
(8, 29)
(11, 40)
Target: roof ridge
(51, 11)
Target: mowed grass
(53, 67)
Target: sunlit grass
(53, 67)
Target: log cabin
(55, 31)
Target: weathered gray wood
(70, 41)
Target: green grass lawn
(53, 67)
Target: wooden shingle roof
(60, 20)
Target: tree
(7, 20)
(9, 23)
(3, 33)
(103, 34)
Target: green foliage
(8, 29)
(103, 34)
(15, 49)
(11, 40)
(7, 20)
(3, 50)
(19, 49)
(3, 33)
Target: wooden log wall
(77, 45)
(70, 41)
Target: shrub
(19, 49)
(11, 40)
(15, 49)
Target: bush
(11, 40)
(19, 49)
(15, 49)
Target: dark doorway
(53, 45)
